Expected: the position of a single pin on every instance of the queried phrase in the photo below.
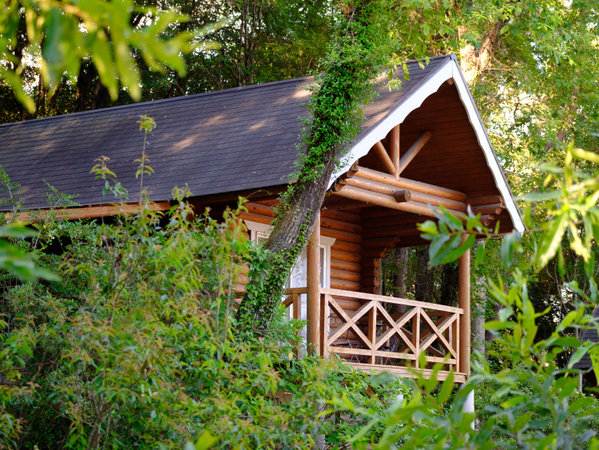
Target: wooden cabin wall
(346, 252)
(371, 275)
(343, 226)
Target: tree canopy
(134, 345)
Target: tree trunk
(399, 288)
(475, 62)
(401, 276)
(449, 285)
(479, 299)
(285, 243)
(424, 279)
(335, 106)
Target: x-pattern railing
(381, 332)
(388, 331)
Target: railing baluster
(416, 334)
(324, 325)
(372, 330)
(458, 324)
(452, 337)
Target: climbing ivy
(338, 94)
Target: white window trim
(258, 230)
(326, 243)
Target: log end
(402, 195)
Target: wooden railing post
(464, 303)
(416, 336)
(324, 324)
(313, 294)
(372, 322)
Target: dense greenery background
(126, 341)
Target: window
(259, 233)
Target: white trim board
(259, 227)
(431, 84)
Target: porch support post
(464, 303)
(313, 285)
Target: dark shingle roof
(219, 142)
(588, 335)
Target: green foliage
(101, 171)
(15, 259)
(65, 33)
(529, 396)
(373, 393)
(253, 42)
(147, 125)
(572, 208)
(134, 346)
(450, 236)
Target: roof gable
(446, 70)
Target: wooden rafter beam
(395, 149)
(414, 149)
(384, 157)
(404, 195)
(484, 200)
(495, 208)
(385, 200)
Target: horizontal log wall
(346, 253)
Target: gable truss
(389, 190)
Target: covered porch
(382, 333)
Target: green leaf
(580, 404)
(496, 325)
(479, 254)
(586, 155)
(205, 441)
(446, 388)
(509, 244)
(569, 319)
(127, 69)
(435, 247)
(551, 240)
(102, 56)
(577, 356)
(567, 341)
(521, 422)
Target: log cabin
(419, 147)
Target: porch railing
(386, 333)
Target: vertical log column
(313, 295)
(464, 303)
